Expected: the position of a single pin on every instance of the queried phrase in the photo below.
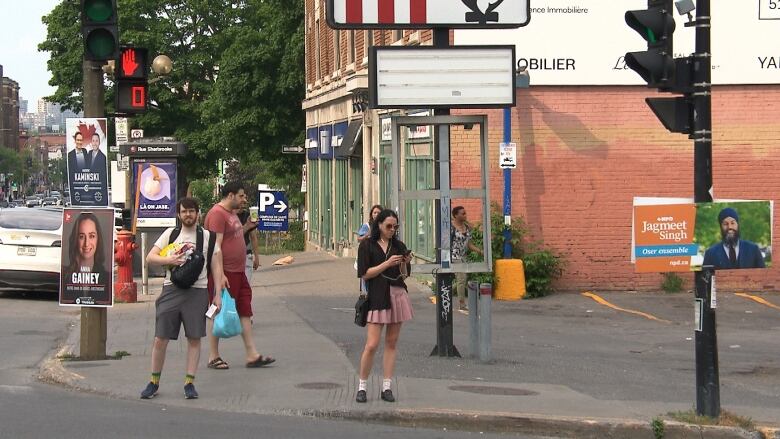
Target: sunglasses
(392, 226)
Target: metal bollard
(473, 293)
(485, 300)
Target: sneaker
(190, 392)
(150, 391)
(361, 396)
(387, 395)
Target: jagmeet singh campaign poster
(86, 272)
(86, 143)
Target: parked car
(32, 201)
(50, 201)
(30, 247)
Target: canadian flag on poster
(429, 11)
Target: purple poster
(154, 184)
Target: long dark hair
(73, 249)
(370, 218)
(383, 215)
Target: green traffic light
(98, 10)
(100, 43)
(650, 35)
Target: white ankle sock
(362, 384)
(386, 384)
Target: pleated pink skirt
(400, 309)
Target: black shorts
(176, 306)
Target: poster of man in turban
(87, 144)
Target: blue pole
(507, 187)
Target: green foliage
(236, 85)
(10, 161)
(296, 237)
(542, 266)
(726, 418)
(658, 427)
(57, 172)
(672, 283)
(203, 191)
(754, 223)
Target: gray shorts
(176, 306)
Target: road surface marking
(758, 299)
(617, 308)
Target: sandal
(260, 362)
(218, 364)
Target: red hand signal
(128, 62)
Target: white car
(30, 249)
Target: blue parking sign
(273, 211)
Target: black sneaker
(361, 396)
(387, 395)
(150, 391)
(190, 392)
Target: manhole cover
(318, 386)
(492, 390)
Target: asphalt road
(570, 339)
(32, 325)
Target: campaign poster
(87, 145)
(675, 235)
(735, 234)
(664, 237)
(86, 272)
(154, 184)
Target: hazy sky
(21, 30)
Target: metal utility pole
(707, 375)
(94, 328)
(441, 157)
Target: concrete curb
(546, 426)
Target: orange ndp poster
(664, 237)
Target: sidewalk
(314, 377)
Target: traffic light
(656, 25)
(99, 26)
(131, 72)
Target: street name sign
(292, 149)
(416, 14)
(273, 212)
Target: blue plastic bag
(227, 323)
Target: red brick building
(584, 152)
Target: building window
(351, 49)
(336, 49)
(398, 35)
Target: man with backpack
(187, 251)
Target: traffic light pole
(707, 375)
(443, 281)
(94, 328)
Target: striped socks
(156, 378)
(189, 379)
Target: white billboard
(582, 42)
(393, 14)
(453, 77)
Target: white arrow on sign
(280, 206)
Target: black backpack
(186, 274)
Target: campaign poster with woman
(86, 277)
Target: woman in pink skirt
(383, 263)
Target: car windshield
(42, 220)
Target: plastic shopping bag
(226, 323)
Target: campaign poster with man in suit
(735, 234)
(87, 145)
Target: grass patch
(726, 419)
(119, 354)
(68, 357)
(672, 283)
(658, 428)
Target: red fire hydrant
(125, 289)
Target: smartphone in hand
(211, 311)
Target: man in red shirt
(230, 239)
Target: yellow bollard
(509, 279)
